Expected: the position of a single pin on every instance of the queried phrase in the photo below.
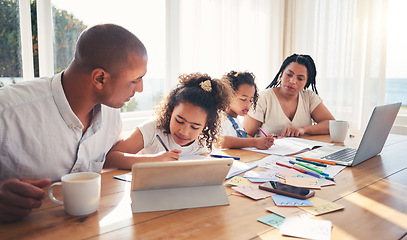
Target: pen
(261, 130)
(318, 160)
(280, 164)
(311, 162)
(162, 143)
(298, 169)
(316, 174)
(310, 168)
(224, 156)
(309, 172)
(305, 171)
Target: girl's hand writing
(264, 142)
(172, 155)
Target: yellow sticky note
(322, 206)
(238, 181)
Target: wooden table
(374, 194)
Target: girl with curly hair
(245, 96)
(187, 122)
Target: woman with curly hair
(245, 96)
(187, 122)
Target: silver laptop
(374, 137)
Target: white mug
(80, 193)
(338, 130)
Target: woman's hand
(292, 132)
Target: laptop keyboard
(344, 155)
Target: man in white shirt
(67, 123)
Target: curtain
(346, 39)
(217, 36)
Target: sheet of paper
(238, 181)
(253, 191)
(322, 206)
(238, 194)
(124, 177)
(270, 161)
(289, 212)
(307, 228)
(322, 181)
(303, 182)
(273, 220)
(333, 170)
(268, 175)
(290, 145)
(325, 182)
(281, 200)
(287, 173)
(239, 167)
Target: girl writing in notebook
(233, 134)
(287, 107)
(187, 122)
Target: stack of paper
(239, 167)
(290, 145)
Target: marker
(261, 130)
(313, 169)
(318, 160)
(309, 172)
(161, 141)
(316, 174)
(329, 178)
(298, 169)
(311, 162)
(310, 168)
(224, 156)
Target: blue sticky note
(281, 200)
(273, 220)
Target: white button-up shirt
(41, 137)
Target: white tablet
(158, 186)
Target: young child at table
(187, 121)
(245, 95)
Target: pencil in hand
(161, 141)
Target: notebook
(158, 186)
(374, 137)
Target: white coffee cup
(338, 130)
(80, 193)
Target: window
(146, 19)
(396, 72)
(10, 45)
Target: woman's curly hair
(235, 79)
(213, 96)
